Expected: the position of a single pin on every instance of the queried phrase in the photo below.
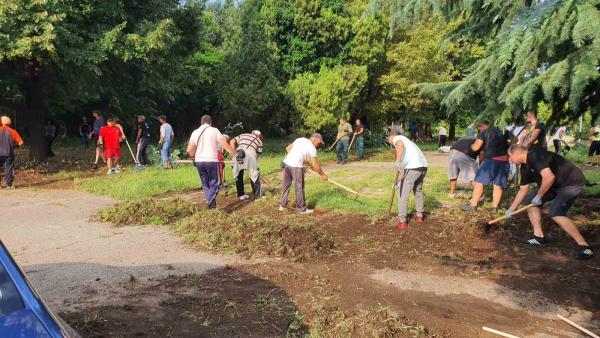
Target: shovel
(489, 224)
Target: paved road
(67, 256)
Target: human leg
(477, 193)
(556, 146)
(418, 192)
(209, 173)
(286, 183)
(344, 150)
(9, 170)
(360, 147)
(298, 178)
(165, 154)
(535, 217)
(339, 148)
(239, 183)
(256, 188)
(496, 196)
(406, 186)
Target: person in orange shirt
(8, 139)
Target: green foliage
(147, 211)
(322, 98)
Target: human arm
(399, 152)
(162, 134)
(316, 167)
(548, 179)
(534, 136)
(521, 194)
(477, 145)
(289, 147)
(359, 131)
(227, 147)
(233, 142)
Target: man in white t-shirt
(557, 139)
(301, 151)
(166, 138)
(442, 136)
(203, 148)
(412, 165)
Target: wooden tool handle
(335, 183)
(393, 193)
(336, 141)
(518, 211)
(579, 327)
(352, 142)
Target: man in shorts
(110, 139)
(559, 181)
(594, 152)
(494, 167)
(463, 162)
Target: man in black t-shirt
(494, 167)
(535, 133)
(142, 139)
(559, 181)
(463, 162)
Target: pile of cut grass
(254, 235)
(148, 211)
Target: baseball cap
(162, 117)
(259, 134)
(317, 136)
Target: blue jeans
(165, 151)
(342, 150)
(211, 183)
(360, 147)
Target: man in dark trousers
(8, 139)
(142, 139)
(463, 162)
(298, 153)
(559, 181)
(494, 167)
(248, 146)
(203, 148)
(95, 135)
(344, 131)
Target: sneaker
(95, 166)
(494, 211)
(117, 170)
(244, 197)
(307, 211)
(584, 252)
(110, 172)
(402, 225)
(468, 207)
(535, 240)
(282, 208)
(419, 219)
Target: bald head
(5, 120)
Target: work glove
(537, 200)
(508, 213)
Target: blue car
(22, 311)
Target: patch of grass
(253, 235)
(130, 185)
(375, 189)
(147, 211)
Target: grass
(147, 211)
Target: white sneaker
(110, 172)
(307, 211)
(282, 208)
(244, 197)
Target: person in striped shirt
(248, 146)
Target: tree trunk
(452, 129)
(36, 113)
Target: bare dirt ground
(445, 274)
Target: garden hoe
(488, 225)
(350, 190)
(138, 166)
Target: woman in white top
(557, 139)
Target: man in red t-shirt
(110, 139)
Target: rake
(138, 165)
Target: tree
(322, 98)
(124, 54)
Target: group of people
(108, 135)
(346, 136)
(557, 179)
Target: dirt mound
(148, 211)
(255, 235)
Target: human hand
(399, 166)
(537, 200)
(509, 212)
(324, 178)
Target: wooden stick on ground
(518, 211)
(500, 333)
(336, 183)
(579, 327)
(267, 183)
